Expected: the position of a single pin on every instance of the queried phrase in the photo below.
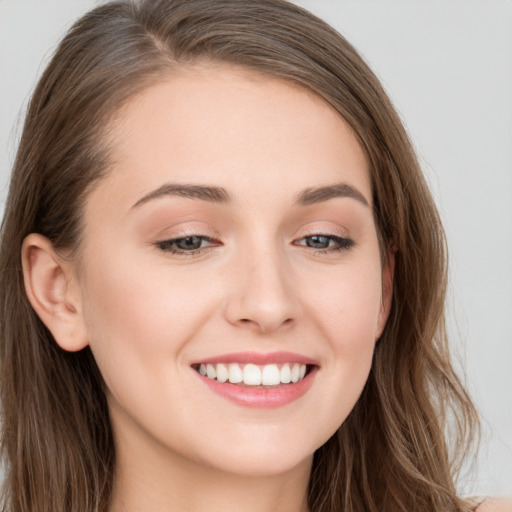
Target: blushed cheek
(144, 311)
(348, 313)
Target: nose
(262, 294)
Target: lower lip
(271, 397)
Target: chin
(263, 453)
(263, 464)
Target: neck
(198, 493)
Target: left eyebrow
(320, 194)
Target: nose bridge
(262, 294)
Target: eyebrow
(320, 194)
(201, 192)
(215, 194)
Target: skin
(148, 313)
(503, 504)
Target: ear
(52, 289)
(388, 273)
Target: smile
(251, 379)
(253, 374)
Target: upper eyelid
(323, 233)
(185, 234)
(339, 232)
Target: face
(233, 237)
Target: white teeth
(254, 375)
(235, 374)
(286, 373)
(295, 373)
(222, 373)
(210, 371)
(270, 376)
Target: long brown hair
(392, 453)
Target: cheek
(345, 309)
(139, 315)
(347, 305)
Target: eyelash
(170, 246)
(342, 243)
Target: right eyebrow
(201, 192)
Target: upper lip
(258, 358)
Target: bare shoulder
(495, 505)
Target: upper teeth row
(253, 375)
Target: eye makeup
(189, 245)
(196, 244)
(325, 243)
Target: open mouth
(252, 379)
(254, 375)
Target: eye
(326, 243)
(187, 245)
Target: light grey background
(447, 65)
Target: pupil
(190, 242)
(318, 242)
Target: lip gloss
(252, 396)
(260, 396)
(259, 358)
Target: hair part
(391, 453)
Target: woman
(213, 275)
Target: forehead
(218, 124)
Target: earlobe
(53, 291)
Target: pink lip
(258, 358)
(261, 397)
